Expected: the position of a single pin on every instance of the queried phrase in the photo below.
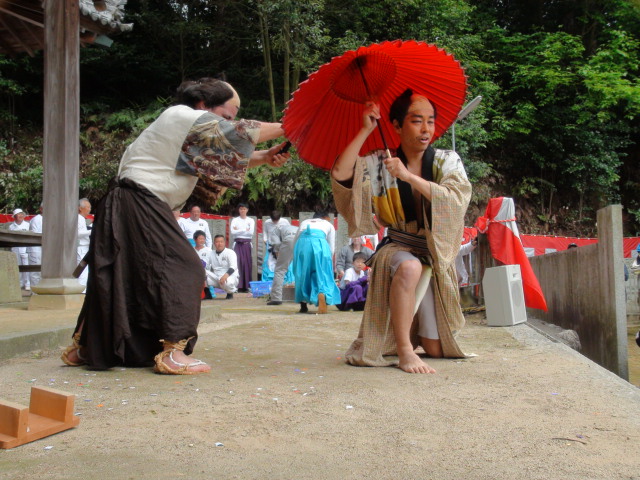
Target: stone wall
(585, 291)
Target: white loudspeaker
(503, 296)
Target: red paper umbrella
(325, 113)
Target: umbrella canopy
(325, 113)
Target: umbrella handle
(366, 87)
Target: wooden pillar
(614, 311)
(61, 152)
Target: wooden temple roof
(22, 23)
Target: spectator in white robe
(242, 229)
(84, 235)
(35, 252)
(194, 223)
(461, 269)
(222, 268)
(201, 248)
(21, 225)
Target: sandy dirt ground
(281, 403)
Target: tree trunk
(266, 51)
(295, 76)
(286, 73)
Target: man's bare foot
(322, 303)
(410, 362)
(177, 363)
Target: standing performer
(282, 239)
(313, 263)
(143, 297)
(421, 195)
(269, 259)
(242, 229)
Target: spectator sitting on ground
(222, 267)
(201, 248)
(354, 285)
(345, 255)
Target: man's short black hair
(198, 233)
(359, 256)
(218, 236)
(320, 214)
(276, 215)
(401, 104)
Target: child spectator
(354, 284)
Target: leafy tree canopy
(557, 128)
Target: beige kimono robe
(373, 189)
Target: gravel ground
(281, 403)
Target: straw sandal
(322, 304)
(75, 346)
(162, 367)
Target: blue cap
(638, 249)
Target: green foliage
(21, 175)
(295, 187)
(557, 129)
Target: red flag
(500, 225)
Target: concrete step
(23, 331)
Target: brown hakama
(144, 284)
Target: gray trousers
(285, 255)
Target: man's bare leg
(402, 299)
(432, 347)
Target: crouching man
(222, 268)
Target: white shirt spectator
(35, 253)
(463, 276)
(203, 253)
(21, 252)
(218, 264)
(242, 227)
(351, 276)
(84, 237)
(84, 233)
(269, 225)
(189, 227)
